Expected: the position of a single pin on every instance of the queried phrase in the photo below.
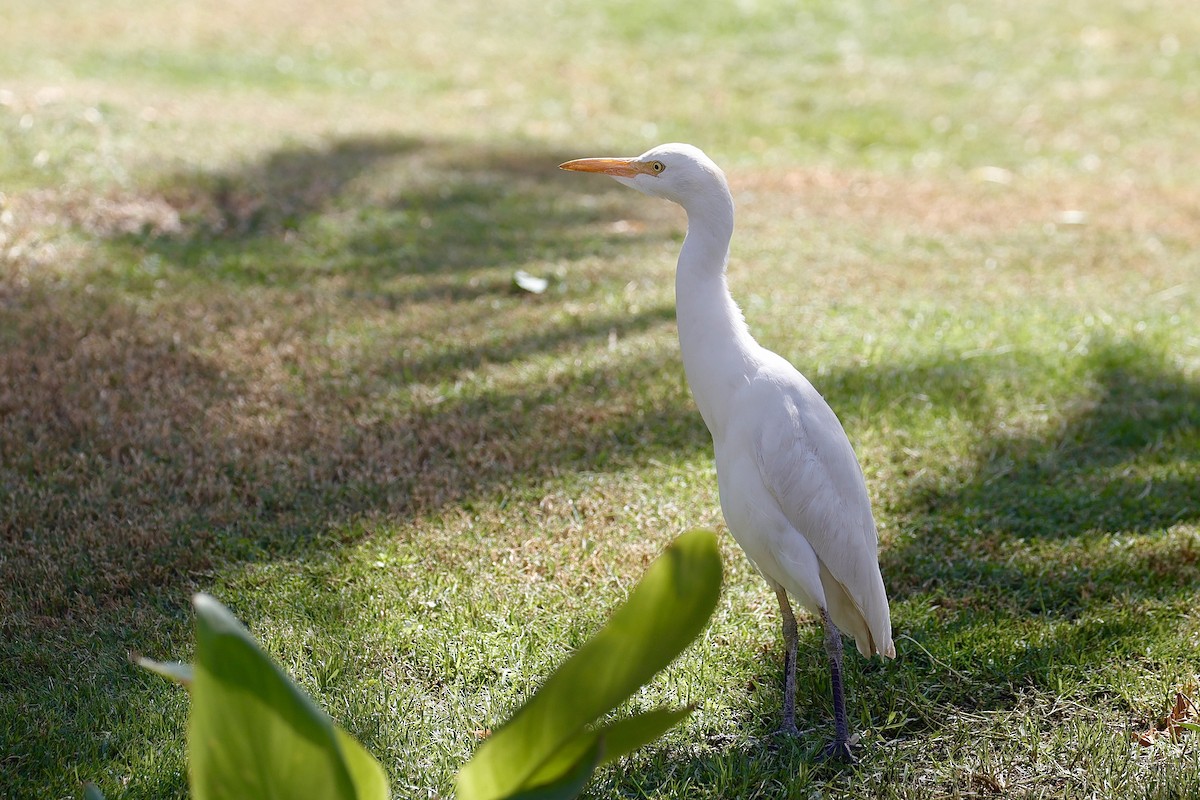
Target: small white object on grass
(529, 282)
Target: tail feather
(848, 615)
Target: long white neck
(717, 347)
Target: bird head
(677, 172)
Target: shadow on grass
(133, 459)
(1119, 463)
(1055, 561)
(1124, 461)
(375, 209)
(1054, 557)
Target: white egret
(791, 489)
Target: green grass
(259, 338)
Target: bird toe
(789, 729)
(838, 750)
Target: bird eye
(657, 166)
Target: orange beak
(616, 167)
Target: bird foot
(788, 728)
(838, 750)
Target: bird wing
(809, 467)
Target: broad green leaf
(569, 784)
(92, 792)
(254, 733)
(564, 759)
(665, 612)
(370, 781)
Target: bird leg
(790, 643)
(839, 748)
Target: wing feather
(809, 467)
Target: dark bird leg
(790, 643)
(839, 748)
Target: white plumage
(792, 492)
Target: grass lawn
(259, 337)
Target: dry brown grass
(980, 204)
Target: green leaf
(254, 733)
(665, 612)
(370, 781)
(1191, 726)
(171, 670)
(626, 735)
(620, 738)
(569, 784)
(564, 759)
(92, 792)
